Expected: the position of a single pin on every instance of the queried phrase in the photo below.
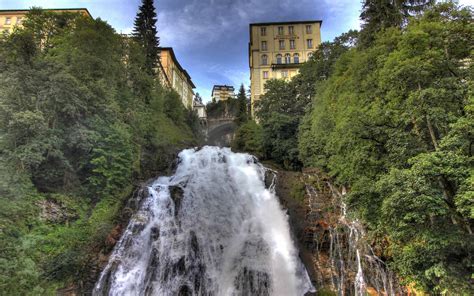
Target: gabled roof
(175, 60)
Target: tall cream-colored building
(222, 92)
(277, 50)
(177, 77)
(9, 18)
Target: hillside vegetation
(392, 118)
(81, 123)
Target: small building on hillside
(9, 18)
(176, 76)
(222, 93)
(200, 109)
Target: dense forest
(388, 112)
(83, 120)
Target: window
(284, 73)
(287, 58)
(310, 55)
(264, 59)
(282, 44)
(278, 58)
(280, 31)
(8, 21)
(264, 45)
(263, 31)
(265, 74)
(296, 58)
(291, 30)
(309, 29)
(309, 43)
(19, 20)
(292, 44)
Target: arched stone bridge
(220, 131)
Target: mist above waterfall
(211, 229)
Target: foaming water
(211, 229)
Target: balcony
(284, 66)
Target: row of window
(296, 59)
(281, 30)
(281, 44)
(8, 20)
(279, 57)
(284, 74)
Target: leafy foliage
(78, 127)
(394, 121)
(388, 112)
(248, 137)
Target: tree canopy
(145, 33)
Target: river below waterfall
(213, 228)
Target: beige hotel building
(277, 50)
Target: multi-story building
(9, 18)
(222, 92)
(178, 78)
(277, 50)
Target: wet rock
(194, 243)
(177, 194)
(269, 178)
(184, 291)
(113, 236)
(180, 267)
(154, 233)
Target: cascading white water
(211, 229)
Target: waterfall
(353, 265)
(211, 229)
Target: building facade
(11, 18)
(222, 92)
(200, 109)
(277, 50)
(176, 76)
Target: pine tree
(242, 115)
(381, 14)
(145, 33)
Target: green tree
(382, 14)
(393, 123)
(78, 127)
(145, 33)
(248, 138)
(242, 115)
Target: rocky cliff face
(333, 247)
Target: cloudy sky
(210, 37)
